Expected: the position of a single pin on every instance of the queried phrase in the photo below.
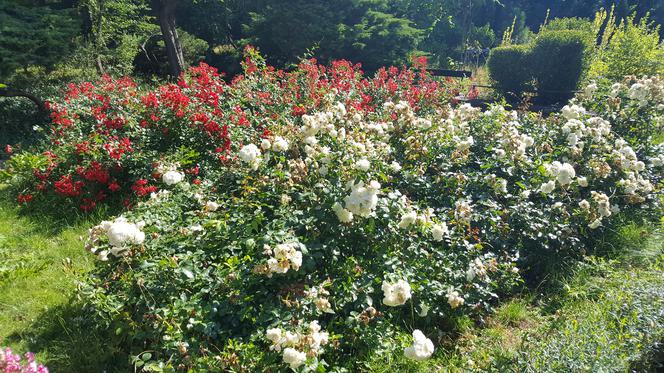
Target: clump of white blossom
(298, 345)
(251, 155)
(396, 293)
(284, 256)
(121, 234)
(421, 349)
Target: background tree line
(75, 38)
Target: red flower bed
(108, 138)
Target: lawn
(40, 265)
(603, 315)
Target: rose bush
(340, 217)
(322, 248)
(113, 142)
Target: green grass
(601, 315)
(40, 265)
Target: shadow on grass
(54, 219)
(69, 341)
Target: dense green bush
(317, 217)
(558, 61)
(509, 67)
(629, 48)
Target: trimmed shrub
(509, 68)
(558, 61)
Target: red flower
(24, 198)
(8, 149)
(66, 187)
(114, 187)
(299, 110)
(88, 205)
(141, 188)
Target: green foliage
(35, 33)
(359, 31)
(558, 62)
(611, 321)
(510, 68)
(632, 48)
(115, 30)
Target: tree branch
(10, 92)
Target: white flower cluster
(463, 211)
(294, 344)
(626, 157)
(284, 256)
(512, 142)
(439, 231)
(640, 92)
(251, 155)
(573, 111)
(454, 299)
(594, 128)
(169, 173)
(563, 172)
(210, 206)
(589, 90)
(604, 208)
(362, 201)
(396, 294)
(120, 234)
(476, 268)
(421, 349)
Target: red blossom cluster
(106, 135)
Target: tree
(34, 34)
(358, 30)
(165, 11)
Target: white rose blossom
(396, 294)
(421, 349)
(294, 358)
(172, 177)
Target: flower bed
(340, 216)
(11, 363)
(109, 139)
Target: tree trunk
(165, 10)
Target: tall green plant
(630, 47)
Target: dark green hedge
(509, 68)
(558, 62)
(553, 64)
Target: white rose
(421, 349)
(249, 154)
(454, 299)
(408, 219)
(439, 231)
(362, 165)
(294, 358)
(280, 144)
(211, 206)
(396, 294)
(121, 232)
(172, 177)
(548, 187)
